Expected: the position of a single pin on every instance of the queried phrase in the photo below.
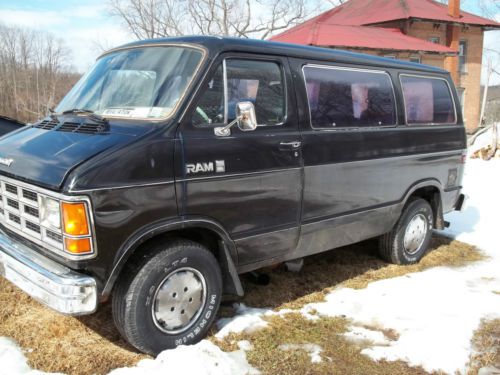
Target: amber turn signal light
(75, 219)
(78, 245)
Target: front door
(250, 182)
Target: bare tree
(33, 72)
(240, 18)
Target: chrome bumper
(49, 282)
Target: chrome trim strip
(45, 280)
(292, 227)
(431, 123)
(374, 160)
(221, 176)
(45, 243)
(321, 219)
(344, 68)
(122, 187)
(226, 98)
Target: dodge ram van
(174, 165)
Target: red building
(423, 31)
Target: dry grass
(57, 343)
(91, 345)
(486, 344)
(339, 356)
(352, 266)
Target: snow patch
(365, 335)
(245, 345)
(12, 359)
(313, 350)
(203, 358)
(246, 320)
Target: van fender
(227, 250)
(437, 205)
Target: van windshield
(146, 82)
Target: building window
(462, 56)
(415, 59)
(434, 39)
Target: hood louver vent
(47, 124)
(68, 126)
(72, 127)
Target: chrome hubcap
(179, 300)
(415, 234)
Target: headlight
(50, 212)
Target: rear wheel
(409, 240)
(168, 298)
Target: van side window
(259, 82)
(427, 100)
(210, 107)
(340, 98)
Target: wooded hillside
(35, 72)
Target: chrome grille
(20, 212)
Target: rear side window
(427, 100)
(340, 98)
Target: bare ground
(92, 345)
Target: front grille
(20, 212)
(54, 236)
(33, 227)
(13, 204)
(31, 211)
(14, 218)
(11, 189)
(29, 195)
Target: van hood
(45, 157)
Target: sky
(86, 26)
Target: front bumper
(49, 282)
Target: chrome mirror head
(247, 120)
(245, 117)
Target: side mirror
(247, 120)
(245, 117)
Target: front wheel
(409, 240)
(169, 298)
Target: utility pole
(489, 70)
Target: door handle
(294, 145)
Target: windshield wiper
(90, 113)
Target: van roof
(216, 45)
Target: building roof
(370, 12)
(352, 25)
(363, 37)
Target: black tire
(134, 296)
(391, 245)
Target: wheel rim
(415, 233)
(179, 300)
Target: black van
(174, 165)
